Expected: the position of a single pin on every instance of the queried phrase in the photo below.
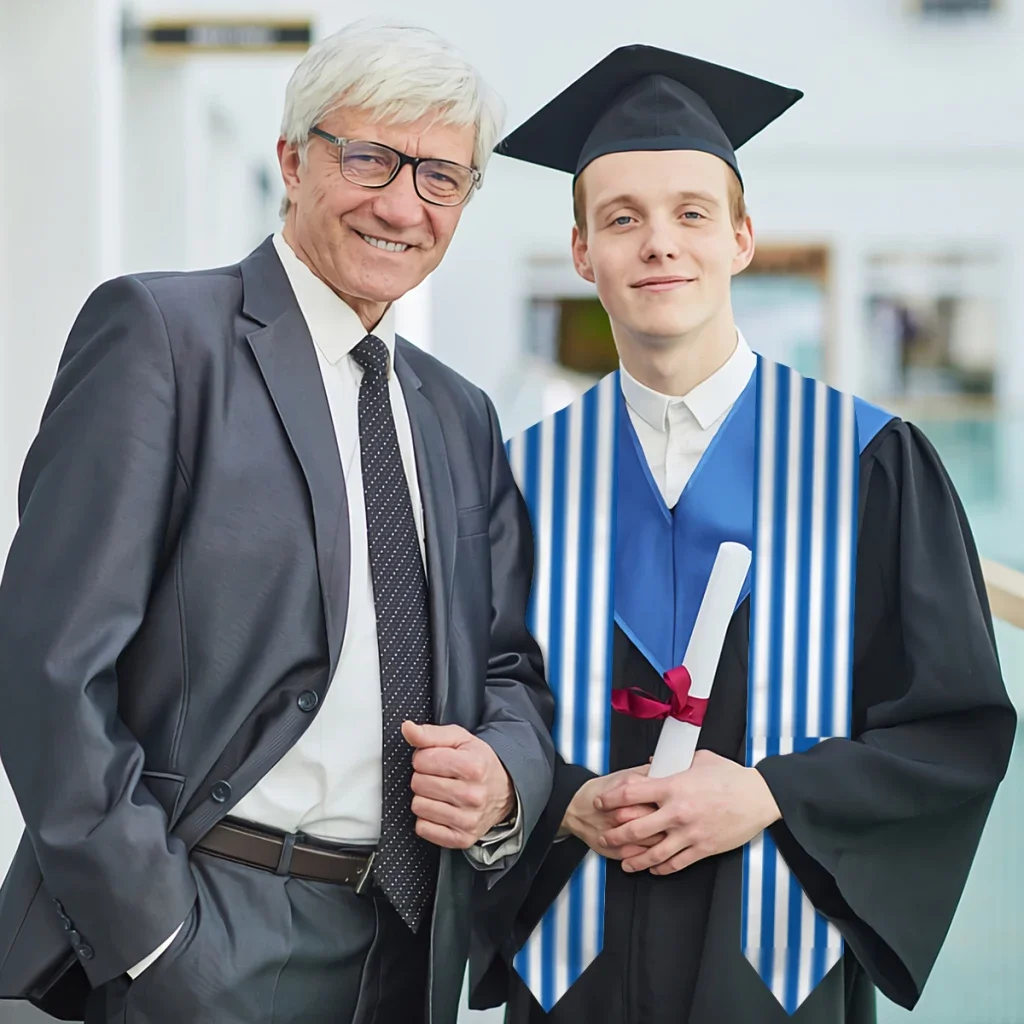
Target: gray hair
(397, 73)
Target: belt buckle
(364, 879)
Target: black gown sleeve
(881, 829)
(505, 916)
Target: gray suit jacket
(180, 576)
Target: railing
(1005, 592)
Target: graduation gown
(880, 830)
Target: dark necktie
(406, 865)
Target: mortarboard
(645, 98)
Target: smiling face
(371, 245)
(660, 241)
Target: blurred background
(141, 136)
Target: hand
(714, 806)
(461, 788)
(583, 819)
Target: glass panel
(443, 182)
(932, 322)
(367, 164)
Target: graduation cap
(645, 98)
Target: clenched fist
(461, 789)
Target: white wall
(159, 169)
(195, 133)
(6, 98)
(9, 818)
(59, 172)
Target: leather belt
(285, 855)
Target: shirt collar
(707, 402)
(334, 325)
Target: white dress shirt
(329, 784)
(674, 433)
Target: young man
(820, 842)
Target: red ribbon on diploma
(636, 703)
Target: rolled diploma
(678, 740)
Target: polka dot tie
(406, 866)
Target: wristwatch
(509, 822)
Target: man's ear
(581, 255)
(744, 246)
(288, 158)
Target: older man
(268, 703)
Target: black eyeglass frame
(403, 159)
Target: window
(932, 321)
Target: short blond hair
(737, 204)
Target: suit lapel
(439, 515)
(287, 360)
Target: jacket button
(75, 938)
(85, 952)
(220, 792)
(308, 700)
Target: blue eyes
(691, 215)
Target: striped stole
(800, 677)
(803, 500)
(565, 468)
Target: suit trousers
(263, 948)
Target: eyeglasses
(374, 165)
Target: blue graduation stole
(566, 469)
(780, 476)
